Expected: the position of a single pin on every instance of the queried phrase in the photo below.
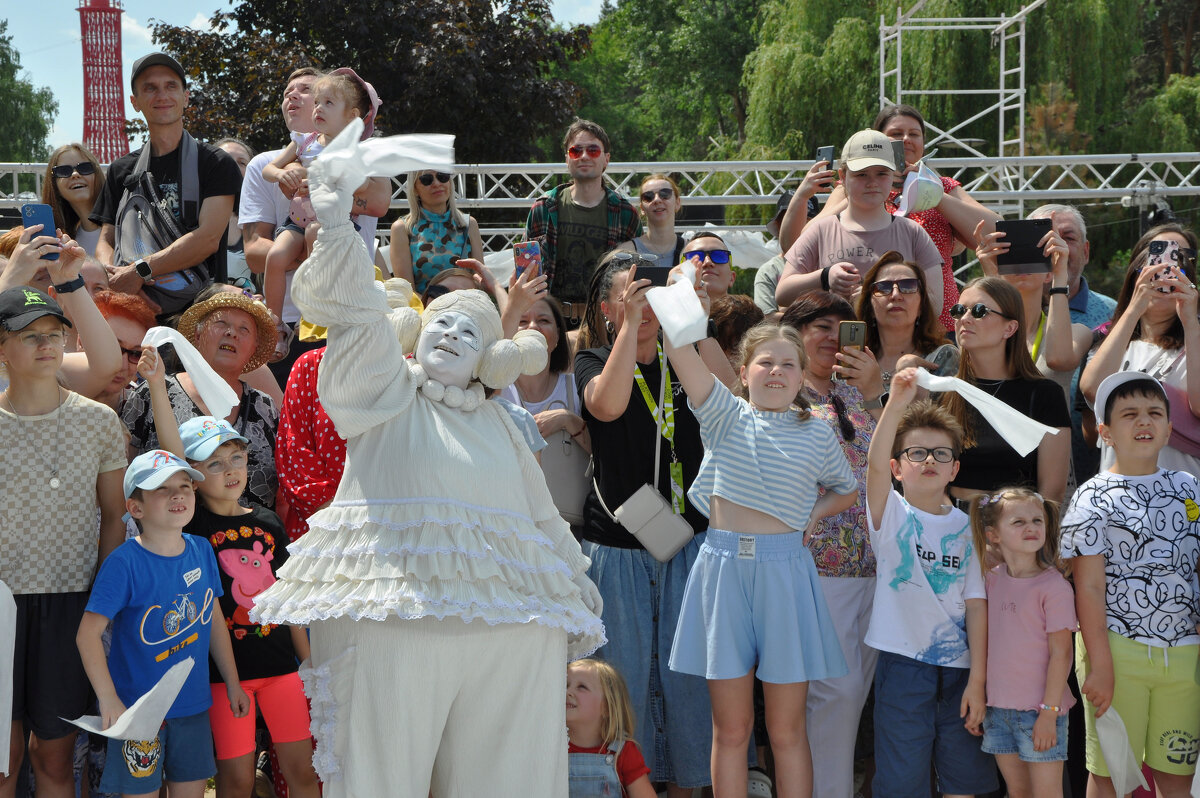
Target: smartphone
(827, 154)
(898, 155)
(527, 254)
(1024, 256)
(1163, 255)
(852, 335)
(37, 213)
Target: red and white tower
(103, 98)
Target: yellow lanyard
(666, 423)
(1037, 339)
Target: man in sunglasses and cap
(578, 222)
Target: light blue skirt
(753, 602)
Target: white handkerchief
(142, 720)
(1019, 430)
(922, 190)
(8, 641)
(678, 309)
(1123, 767)
(218, 397)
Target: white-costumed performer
(443, 592)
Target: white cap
(868, 148)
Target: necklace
(55, 482)
(993, 390)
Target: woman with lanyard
(620, 381)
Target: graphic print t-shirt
(249, 549)
(161, 609)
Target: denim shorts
(1010, 731)
(642, 597)
(183, 750)
(754, 602)
(917, 723)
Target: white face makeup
(449, 348)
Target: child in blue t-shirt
(160, 590)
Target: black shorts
(49, 682)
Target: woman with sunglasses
(1155, 330)
(71, 185)
(658, 204)
(903, 329)
(988, 322)
(848, 397)
(434, 234)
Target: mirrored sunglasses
(592, 150)
(719, 256)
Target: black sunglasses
(720, 256)
(919, 454)
(908, 285)
(978, 310)
(435, 291)
(428, 178)
(64, 170)
(663, 193)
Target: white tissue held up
(922, 190)
(8, 643)
(678, 309)
(143, 720)
(1123, 767)
(218, 397)
(1017, 429)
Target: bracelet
(711, 330)
(1048, 708)
(577, 434)
(1059, 289)
(69, 286)
(825, 278)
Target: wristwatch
(1060, 289)
(143, 270)
(877, 403)
(69, 286)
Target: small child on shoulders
(160, 591)
(1133, 536)
(930, 615)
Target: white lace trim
(356, 524)
(449, 395)
(323, 715)
(368, 549)
(440, 501)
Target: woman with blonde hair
(435, 234)
(659, 201)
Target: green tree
(28, 110)
(483, 71)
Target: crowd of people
(795, 557)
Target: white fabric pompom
(507, 359)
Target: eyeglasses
(719, 256)
(428, 178)
(908, 285)
(919, 454)
(844, 423)
(978, 310)
(662, 193)
(64, 170)
(34, 340)
(132, 355)
(233, 463)
(577, 150)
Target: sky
(51, 54)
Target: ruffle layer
(421, 558)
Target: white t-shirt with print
(1147, 528)
(926, 571)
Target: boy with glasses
(929, 620)
(579, 221)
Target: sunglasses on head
(1159, 247)
(633, 258)
(435, 291)
(428, 178)
(719, 256)
(907, 285)
(978, 310)
(662, 193)
(84, 168)
(577, 150)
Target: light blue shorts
(1010, 731)
(754, 602)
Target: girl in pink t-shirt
(1031, 615)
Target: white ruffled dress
(442, 510)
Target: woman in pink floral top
(840, 546)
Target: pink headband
(369, 120)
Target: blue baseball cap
(152, 469)
(202, 436)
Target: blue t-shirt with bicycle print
(161, 609)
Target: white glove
(589, 593)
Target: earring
(609, 327)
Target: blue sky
(48, 43)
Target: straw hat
(192, 317)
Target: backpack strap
(189, 182)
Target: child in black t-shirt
(249, 544)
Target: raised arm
(1108, 357)
(879, 456)
(1059, 338)
(607, 395)
(689, 368)
(165, 425)
(89, 372)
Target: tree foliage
(486, 72)
(28, 111)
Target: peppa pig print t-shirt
(249, 550)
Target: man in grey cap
(160, 94)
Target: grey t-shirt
(825, 242)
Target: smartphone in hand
(527, 254)
(852, 335)
(898, 156)
(37, 213)
(827, 154)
